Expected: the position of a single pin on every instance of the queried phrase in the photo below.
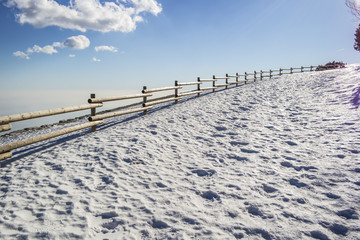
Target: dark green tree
(357, 39)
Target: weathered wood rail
(5, 149)
(147, 103)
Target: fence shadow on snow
(148, 99)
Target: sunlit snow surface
(276, 159)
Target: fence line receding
(148, 101)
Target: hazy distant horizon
(16, 102)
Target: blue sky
(154, 42)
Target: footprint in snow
(237, 158)
(336, 228)
(244, 150)
(290, 158)
(160, 185)
(107, 215)
(190, 221)
(237, 143)
(300, 200)
(113, 224)
(269, 189)
(319, 235)
(219, 128)
(210, 195)
(332, 196)
(232, 214)
(291, 143)
(218, 135)
(244, 108)
(254, 210)
(289, 165)
(158, 224)
(106, 179)
(258, 231)
(348, 214)
(339, 229)
(233, 186)
(270, 127)
(297, 183)
(203, 173)
(61, 192)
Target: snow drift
(276, 159)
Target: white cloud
(106, 48)
(72, 55)
(83, 15)
(48, 49)
(94, 59)
(75, 42)
(21, 54)
(147, 6)
(58, 44)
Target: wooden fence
(147, 103)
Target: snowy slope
(277, 159)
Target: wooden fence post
(255, 76)
(245, 77)
(176, 92)
(198, 87)
(227, 81)
(302, 69)
(291, 70)
(237, 79)
(261, 74)
(144, 99)
(311, 68)
(280, 72)
(214, 83)
(93, 112)
(270, 73)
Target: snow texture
(274, 159)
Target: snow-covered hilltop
(275, 159)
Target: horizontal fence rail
(5, 149)
(101, 100)
(45, 113)
(159, 89)
(147, 103)
(5, 127)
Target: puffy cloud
(72, 55)
(147, 6)
(21, 54)
(106, 48)
(47, 49)
(94, 59)
(77, 42)
(85, 15)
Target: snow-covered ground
(276, 159)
